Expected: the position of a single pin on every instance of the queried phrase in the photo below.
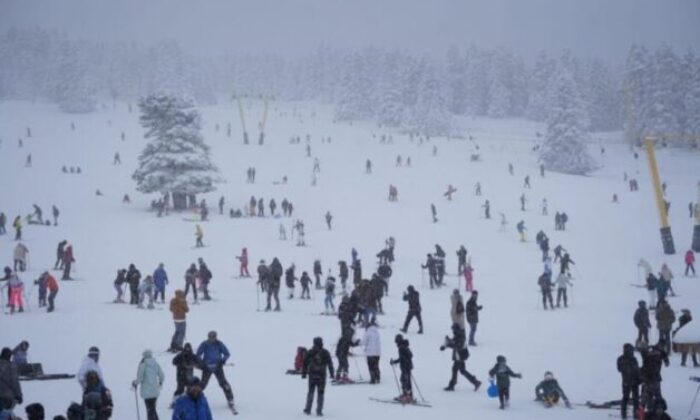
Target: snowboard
(395, 401)
(350, 382)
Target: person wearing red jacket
(689, 260)
(243, 258)
(52, 286)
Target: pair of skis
(401, 402)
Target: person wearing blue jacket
(193, 405)
(214, 354)
(160, 277)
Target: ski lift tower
(666, 236)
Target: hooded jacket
(149, 376)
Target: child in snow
(548, 391)
(503, 373)
(405, 362)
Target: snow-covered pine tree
(666, 99)
(564, 147)
(456, 74)
(692, 101)
(430, 115)
(175, 160)
(636, 90)
(539, 83)
(390, 105)
(602, 97)
(74, 90)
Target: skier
(557, 221)
(342, 349)
(450, 190)
(667, 276)
(665, 317)
(564, 219)
(684, 349)
(192, 405)
(503, 373)
(545, 284)
(20, 257)
(133, 276)
(477, 189)
(316, 362)
(185, 362)
(68, 261)
(150, 377)
(3, 221)
(38, 214)
(305, 281)
(160, 278)
(317, 165)
(405, 362)
(179, 309)
(522, 202)
(414, 309)
(460, 353)
(330, 294)
(542, 170)
(289, 279)
(273, 206)
(544, 207)
(117, 159)
(548, 391)
(653, 358)
(191, 281)
(16, 291)
(273, 286)
(221, 205)
(521, 230)
(55, 213)
(510, 169)
(317, 274)
(487, 209)
(526, 182)
(253, 203)
(343, 273)
(214, 354)
(469, 277)
(263, 275)
(283, 233)
(504, 222)
(146, 289)
(58, 265)
(372, 345)
(368, 166)
(356, 268)
(472, 314)
(641, 321)
(261, 207)
(457, 308)
(651, 285)
(243, 258)
(564, 263)
(562, 281)
(90, 364)
(118, 283)
(329, 218)
(199, 235)
(52, 287)
(689, 262)
(461, 259)
(205, 276)
(17, 224)
(431, 265)
(433, 211)
(628, 367)
(398, 161)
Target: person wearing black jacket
(405, 362)
(343, 273)
(318, 272)
(431, 265)
(305, 281)
(652, 360)
(273, 286)
(472, 313)
(461, 260)
(58, 265)
(545, 283)
(205, 277)
(133, 276)
(191, 281)
(185, 361)
(289, 279)
(356, 272)
(10, 389)
(641, 321)
(316, 362)
(460, 354)
(413, 298)
(628, 367)
(263, 275)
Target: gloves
(393, 361)
(19, 399)
(303, 375)
(442, 348)
(134, 384)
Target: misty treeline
(656, 93)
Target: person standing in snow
(431, 265)
(472, 314)
(521, 230)
(205, 276)
(160, 278)
(562, 281)
(273, 286)
(20, 257)
(55, 213)
(689, 261)
(58, 265)
(372, 345)
(342, 349)
(52, 287)
(641, 321)
(545, 284)
(329, 218)
(665, 317)
(330, 294)
(343, 273)
(15, 288)
(214, 354)
(199, 235)
(316, 362)
(243, 258)
(433, 211)
(564, 263)
(305, 282)
(460, 353)
(457, 308)
(185, 362)
(544, 207)
(10, 388)
(667, 276)
(133, 277)
(146, 289)
(68, 260)
(90, 364)
(628, 367)
(3, 221)
(150, 377)
(502, 372)
(289, 279)
(461, 259)
(179, 309)
(17, 224)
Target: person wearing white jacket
(150, 377)
(562, 282)
(90, 363)
(373, 350)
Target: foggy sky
(604, 28)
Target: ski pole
(396, 379)
(357, 366)
(417, 388)
(257, 297)
(136, 399)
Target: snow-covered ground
(579, 344)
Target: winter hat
(318, 342)
(194, 382)
(34, 411)
(500, 359)
(398, 339)
(6, 353)
(187, 347)
(642, 303)
(94, 353)
(212, 334)
(147, 353)
(548, 375)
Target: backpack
(299, 358)
(317, 364)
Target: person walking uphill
(179, 309)
(214, 355)
(149, 377)
(414, 309)
(316, 362)
(460, 354)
